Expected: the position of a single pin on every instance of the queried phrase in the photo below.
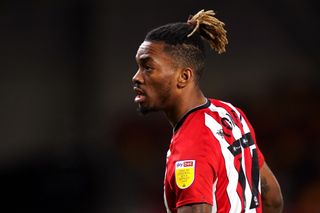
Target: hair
(184, 40)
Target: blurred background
(70, 137)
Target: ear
(185, 76)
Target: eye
(147, 68)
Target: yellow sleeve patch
(184, 173)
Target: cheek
(164, 88)
(162, 85)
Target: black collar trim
(180, 122)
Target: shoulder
(226, 109)
(224, 105)
(193, 126)
(194, 138)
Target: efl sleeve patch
(184, 173)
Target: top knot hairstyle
(184, 40)
(210, 28)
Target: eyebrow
(144, 60)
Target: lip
(140, 97)
(138, 91)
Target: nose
(137, 78)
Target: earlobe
(185, 76)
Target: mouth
(140, 95)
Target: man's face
(155, 80)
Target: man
(213, 163)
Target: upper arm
(196, 208)
(193, 184)
(272, 200)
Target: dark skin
(272, 201)
(196, 208)
(162, 85)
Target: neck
(184, 104)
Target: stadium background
(70, 137)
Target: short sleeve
(198, 152)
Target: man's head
(171, 59)
(186, 51)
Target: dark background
(70, 137)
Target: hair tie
(194, 23)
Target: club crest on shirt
(184, 173)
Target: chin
(145, 110)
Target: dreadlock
(210, 28)
(185, 39)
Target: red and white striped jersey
(213, 158)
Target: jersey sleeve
(245, 119)
(199, 152)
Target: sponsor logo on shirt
(184, 173)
